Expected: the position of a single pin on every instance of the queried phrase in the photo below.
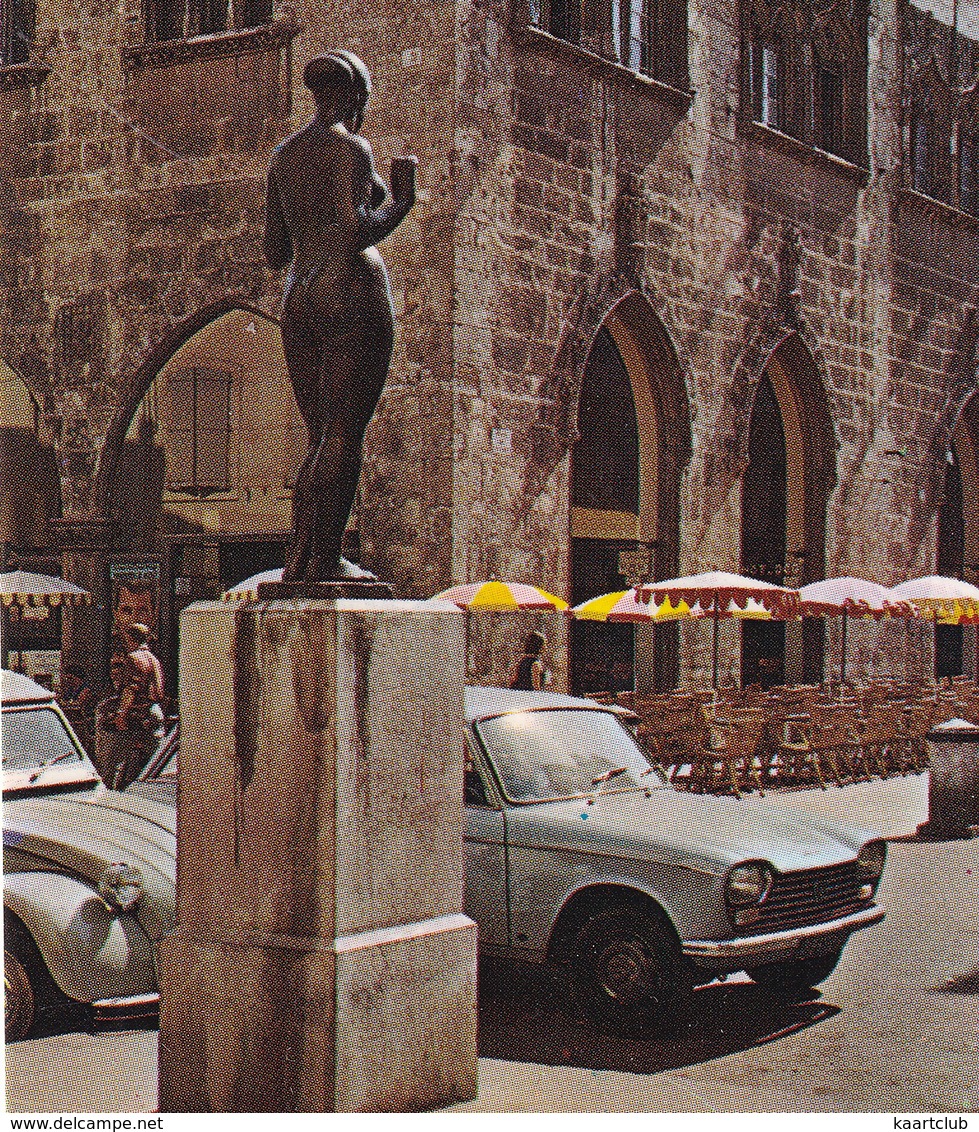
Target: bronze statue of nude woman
(326, 211)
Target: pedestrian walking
(130, 723)
(532, 674)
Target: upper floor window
(17, 18)
(183, 19)
(560, 17)
(940, 143)
(968, 150)
(765, 81)
(969, 172)
(647, 36)
(806, 72)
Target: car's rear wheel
(794, 978)
(18, 996)
(629, 973)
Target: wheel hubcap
(624, 970)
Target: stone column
(321, 961)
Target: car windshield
(551, 754)
(38, 749)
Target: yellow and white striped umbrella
(629, 605)
(500, 597)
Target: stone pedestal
(321, 960)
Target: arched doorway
(30, 497)
(634, 440)
(789, 474)
(763, 532)
(957, 551)
(203, 480)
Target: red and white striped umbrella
(722, 595)
(851, 597)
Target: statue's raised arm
(327, 209)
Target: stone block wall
(553, 184)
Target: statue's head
(361, 86)
(332, 84)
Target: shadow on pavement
(523, 1016)
(966, 983)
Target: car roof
(481, 701)
(15, 688)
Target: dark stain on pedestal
(312, 665)
(362, 645)
(246, 694)
(246, 690)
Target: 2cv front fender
(91, 951)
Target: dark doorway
(603, 653)
(950, 564)
(763, 532)
(604, 497)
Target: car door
(486, 899)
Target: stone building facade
(688, 286)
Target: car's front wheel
(18, 996)
(793, 978)
(629, 973)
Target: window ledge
(269, 37)
(23, 74)
(810, 154)
(935, 207)
(680, 100)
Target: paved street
(893, 1030)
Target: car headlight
(121, 886)
(871, 858)
(748, 884)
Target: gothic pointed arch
(135, 388)
(30, 488)
(633, 443)
(789, 471)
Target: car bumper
(107, 1012)
(814, 939)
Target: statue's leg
(303, 360)
(355, 369)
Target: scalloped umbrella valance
(717, 591)
(21, 588)
(851, 597)
(947, 601)
(248, 589)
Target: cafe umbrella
(626, 605)
(247, 590)
(941, 600)
(494, 596)
(721, 595)
(21, 590)
(848, 597)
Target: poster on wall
(135, 589)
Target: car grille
(812, 896)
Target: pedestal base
(321, 961)
(295, 1025)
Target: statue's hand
(403, 179)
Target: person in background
(140, 706)
(531, 674)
